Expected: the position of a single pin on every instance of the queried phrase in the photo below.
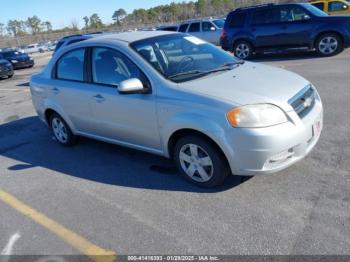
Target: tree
(86, 21)
(2, 29)
(16, 27)
(47, 26)
(74, 25)
(95, 21)
(119, 15)
(34, 23)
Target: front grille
(304, 101)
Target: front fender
(194, 122)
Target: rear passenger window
(238, 20)
(71, 66)
(195, 27)
(319, 6)
(265, 17)
(183, 28)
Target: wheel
(243, 50)
(200, 161)
(10, 76)
(329, 44)
(61, 131)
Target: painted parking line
(87, 248)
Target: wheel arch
(318, 35)
(176, 135)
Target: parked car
(278, 27)
(213, 114)
(6, 69)
(172, 28)
(71, 39)
(18, 59)
(332, 7)
(208, 29)
(30, 49)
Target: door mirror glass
(131, 86)
(306, 17)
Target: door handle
(99, 98)
(253, 29)
(284, 27)
(55, 90)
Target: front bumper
(23, 64)
(259, 151)
(6, 71)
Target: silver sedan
(177, 96)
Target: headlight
(14, 61)
(259, 115)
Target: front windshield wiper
(199, 73)
(189, 73)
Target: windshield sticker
(194, 40)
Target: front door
(127, 118)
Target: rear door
(266, 28)
(195, 29)
(68, 90)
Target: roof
(133, 36)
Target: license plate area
(317, 127)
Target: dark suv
(278, 27)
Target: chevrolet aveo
(177, 96)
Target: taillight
(223, 34)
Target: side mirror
(131, 86)
(212, 28)
(306, 17)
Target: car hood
(19, 57)
(4, 62)
(250, 83)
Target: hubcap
(196, 163)
(328, 45)
(242, 51)
(59, 130)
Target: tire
(243, 50)
(10, 76)
(61, 131)
(200, 161)
(329, 44)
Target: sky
(61, 12)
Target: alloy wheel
(242, 51)
(59, 130)
(328, 45)
(196, 163)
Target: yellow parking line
(87, 248)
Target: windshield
(10, 54)
(314, 10)
(180, 57)
(221, 22)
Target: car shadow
(285, 56)
(30, 142)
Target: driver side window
(110, 67)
